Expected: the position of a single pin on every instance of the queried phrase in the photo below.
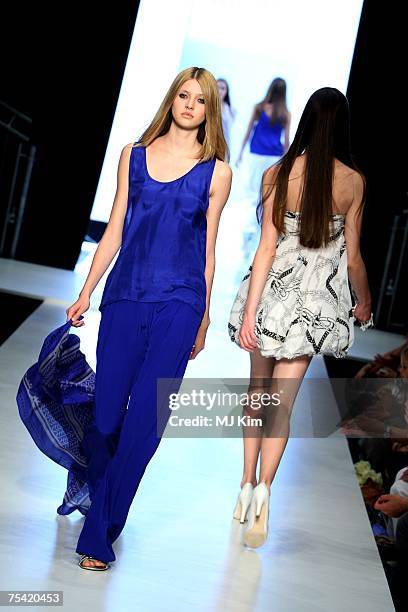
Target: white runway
(180, 549)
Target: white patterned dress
(306, 305)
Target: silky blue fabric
(266, 139)
(55, 401)
(163, 250)
(142, 354)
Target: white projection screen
(247, 42)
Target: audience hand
(385, 372)
(384, 359)
(392, 505)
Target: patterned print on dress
(306, 304)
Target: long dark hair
(276, 95)
(323, 135)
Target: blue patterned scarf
(55, 401)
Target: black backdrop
(64, 67)
(378, 99)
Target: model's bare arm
(110, 242)
(356, 268)
(219, 191)
(112, 236)
(287, 131)
(262, 262)
(266, 250)
(254, 117)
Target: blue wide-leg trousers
(138, 342)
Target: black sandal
(94, 568)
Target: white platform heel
(243, 501)
(258, 516)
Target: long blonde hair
(210, 133)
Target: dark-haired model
(271, 119)
(172, 187)
(295, 302)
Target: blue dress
(162, 258)
(163, 251)
(266, 139)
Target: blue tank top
(163, 251)
(266, 138)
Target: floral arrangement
(365, 472)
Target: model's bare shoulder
(359, 185)
(221, 181)
(269, 175)
(357, 178)
(343, 171)
(222, 170)
(354, 178)
(127, 149)
(124, 160)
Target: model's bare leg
(276, 433)
(261, 368)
